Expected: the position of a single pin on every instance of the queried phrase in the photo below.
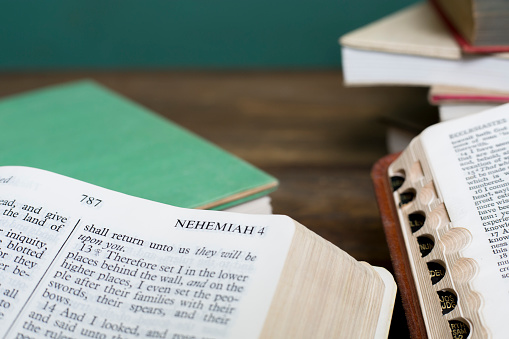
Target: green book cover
(85, 131)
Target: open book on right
(445, 207)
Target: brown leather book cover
(399, 256)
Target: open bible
(446, 219)
(81, 261)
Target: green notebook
(85, 131)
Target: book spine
(437, 99)
(441, 276)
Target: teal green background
(180, 34)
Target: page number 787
(88, 200)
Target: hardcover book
(90, 133)
(455, 102)
(413, 47)
(465, 95)
(444, 204)
(477, 26)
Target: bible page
(80, 261)
(469, 158)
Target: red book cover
(447, 94)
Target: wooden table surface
(317, 137)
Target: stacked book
(457, 48)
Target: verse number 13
(88, 200)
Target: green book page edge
(85, 131)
